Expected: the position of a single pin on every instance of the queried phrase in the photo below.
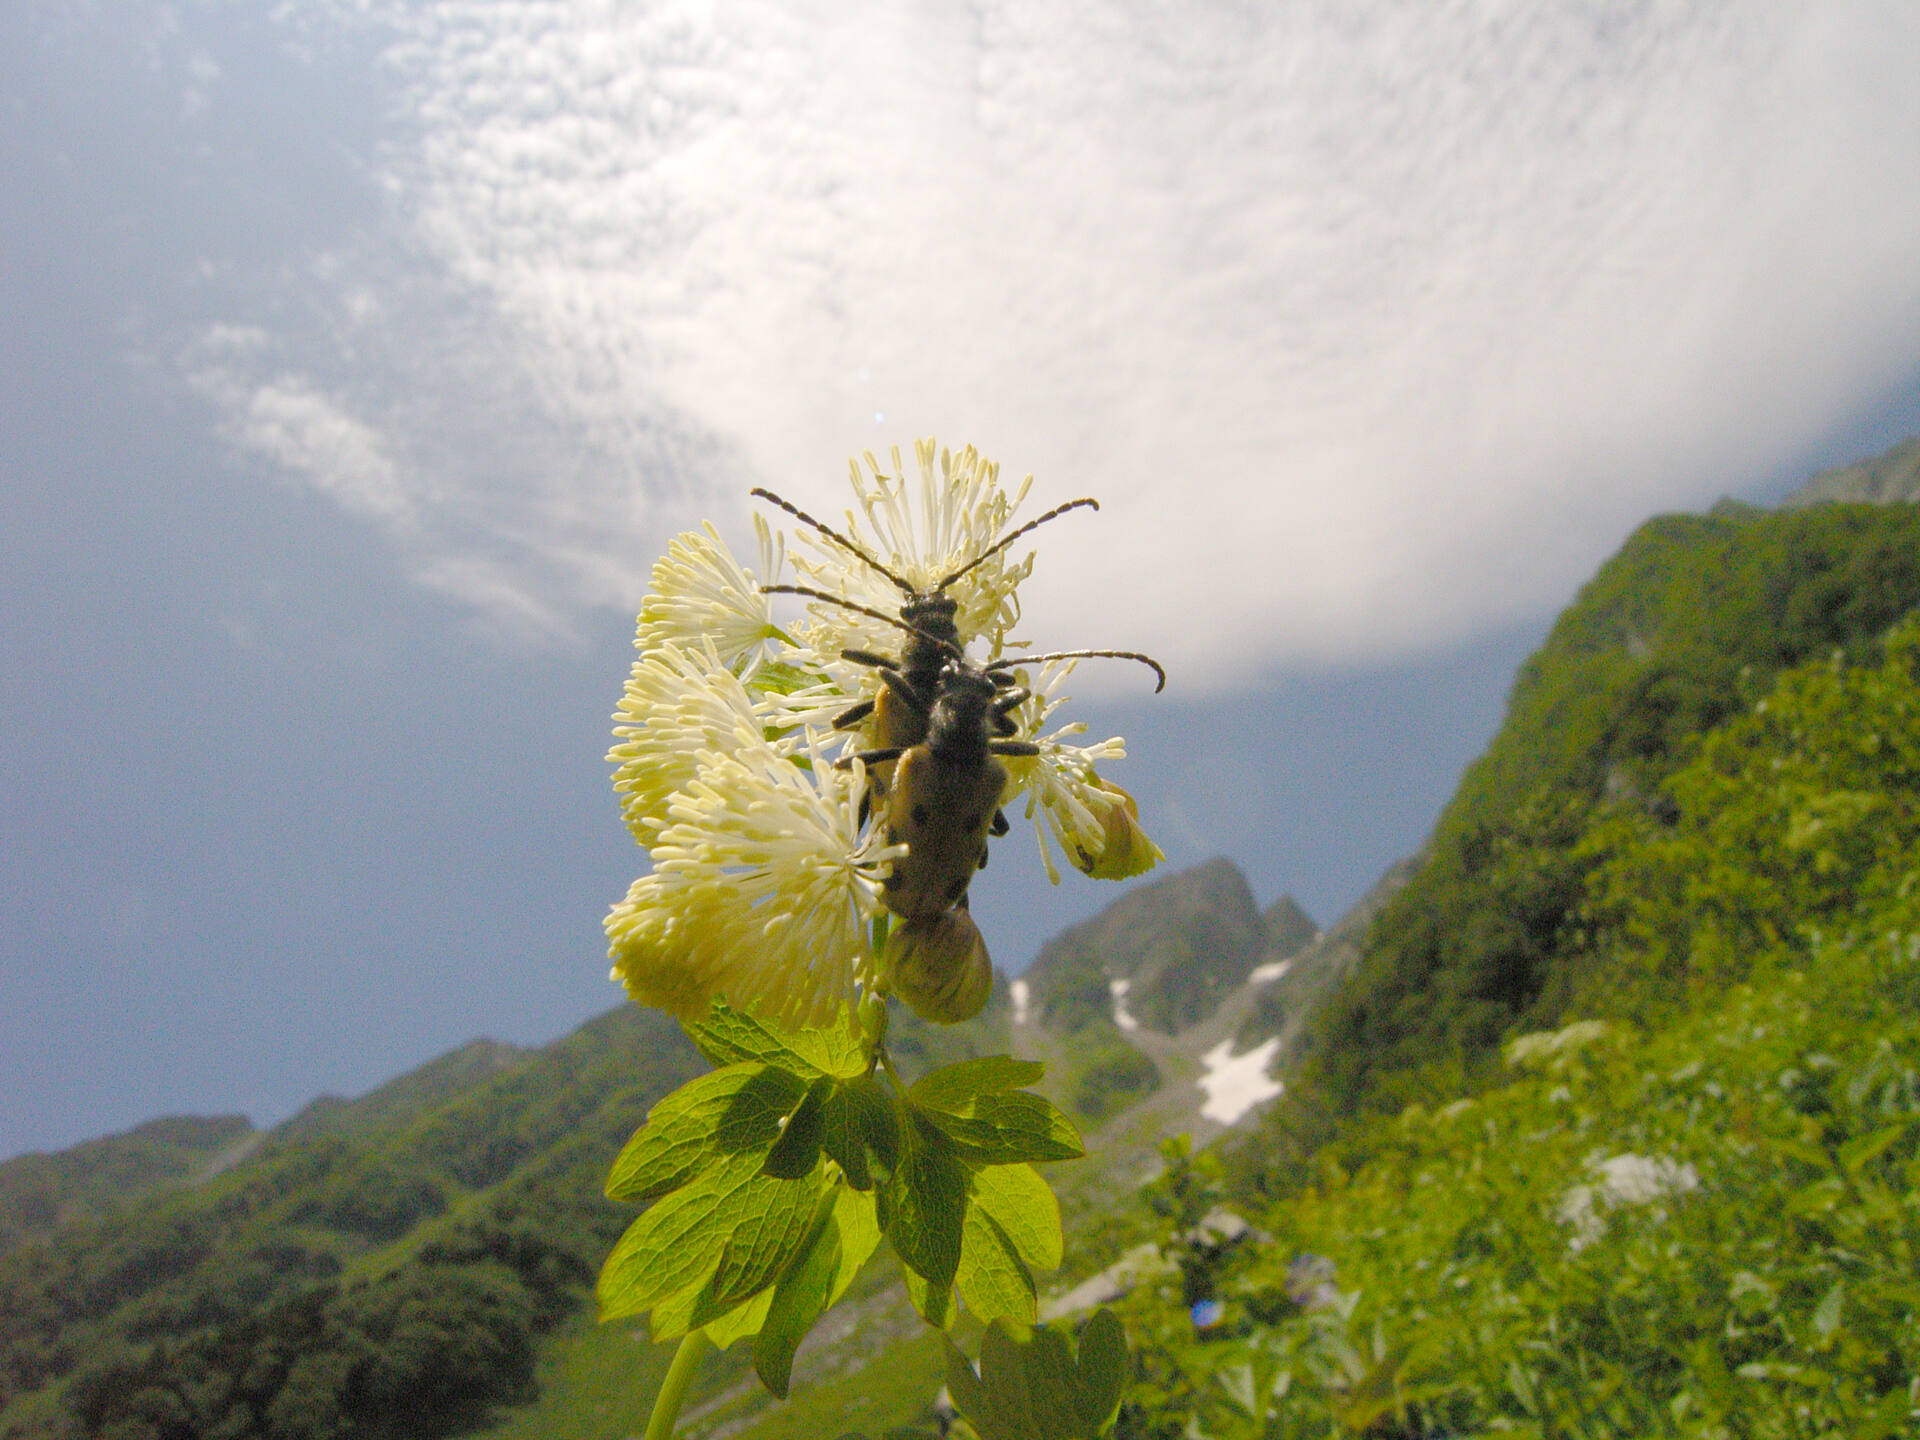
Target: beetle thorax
(957, 728)
(934, 639)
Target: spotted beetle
(902, 709)
(942, 721)
(940, 725)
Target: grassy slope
(1698, 1222)
(1683, 628)
(40, 1193)
(470, 1197)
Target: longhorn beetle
(948, 782)
(933, 639)
(941, 722)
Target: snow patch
(1261, 974)
(1019, 993)
(1236, 1083)
(1121, 1018)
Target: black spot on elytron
(956, 890)
(892, 882)
(975, 822)
(919, 814)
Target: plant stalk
(673, 1390)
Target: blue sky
(356, 360)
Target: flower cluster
(770, 876)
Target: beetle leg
(850, 719)
(1017, 696)
(1003, 709)
(872, 757)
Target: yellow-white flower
(1093, 821)
(765, 880)
(678, 704)
(962, 513)
(700, 592)
(762, 890)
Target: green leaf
(729, 1037)
(1003, 1377)
(991, 1279)
(952, 1087)
(1375, 1392)
(739, 1322)
(1024, 1207)
(1808, 1155)
(1031, 1388)
(1102, 1372)
(762, 1247)
(708, 1246)
(675, 1245)
(927, 1198)
(1826, 1315)
(979, 1104)
(963, 1385)
(1048, 1363)
(804, 1291)
(1859, 1153)
(735, 1111)
(932, 1303)
(859, 1237)
(838, 1050)
(854, 1214)
(1009, 1129)
(861, 1125)
(797, 1151)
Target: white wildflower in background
(1624, 1181)
(765, 880)
(1553, 1049)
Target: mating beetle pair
(941, 723)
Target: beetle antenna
(869, 611)
(995, 549)
(832, 534)
(1147, 660)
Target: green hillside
(386, 1267)
(1686, 627)
(40, 1193)
(1694, 1210)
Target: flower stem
(673, 1390)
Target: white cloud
(308, 434)
(1369, 325)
